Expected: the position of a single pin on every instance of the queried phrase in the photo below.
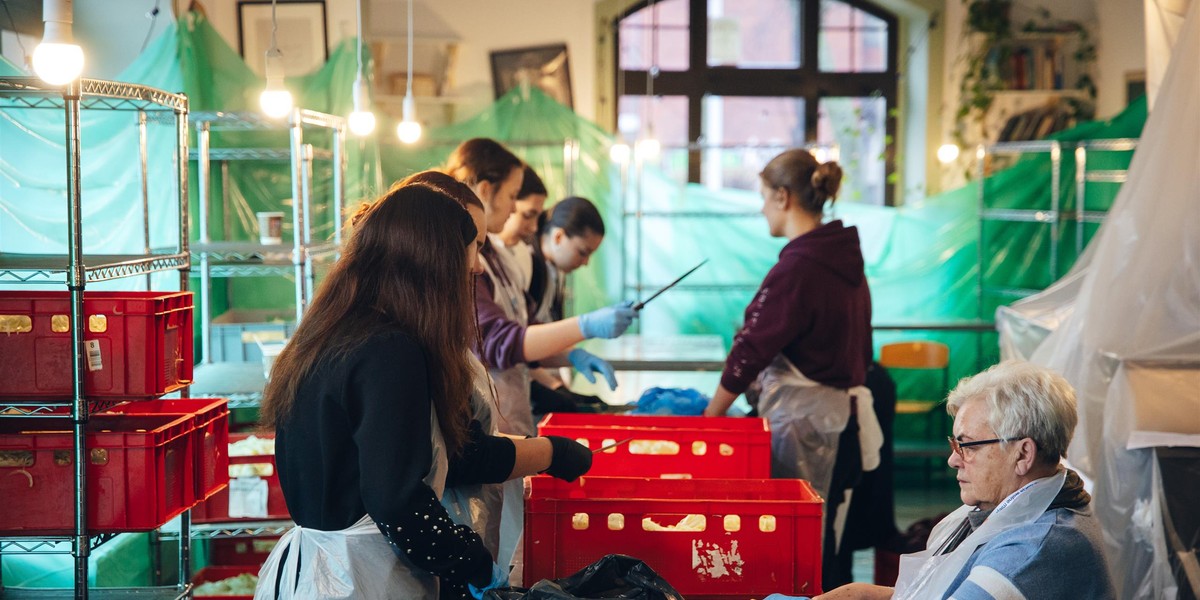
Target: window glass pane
(658, 40)
(857, 127)
(754, 34)
(666, 117)
(742, 133)
(851, 40)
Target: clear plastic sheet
(1124, 320)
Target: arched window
(758, 77)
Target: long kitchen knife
(639, 305)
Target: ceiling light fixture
(58, 59)
(275, 100)
(648, 147)
(362, 120)
(409, 129)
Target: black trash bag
(615, 576)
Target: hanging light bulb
(619, 153)
(58, 59)
(362, 120)
(275, 100)
(409, 130)
(947, 153)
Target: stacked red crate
(250, 468)
(690, 496)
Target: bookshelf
(1036, 73)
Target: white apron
(356, 562)
(516, 413)
(806, 420)
(512, 384)
(479, 506)
(925, 576)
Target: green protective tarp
(922, 259)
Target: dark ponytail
(574, 215)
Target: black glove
(569, 460)
(581, 399)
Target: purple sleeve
(503, 340)
(774, 318)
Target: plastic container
(210, 436)
(241, 551)
(137, 344)
(759, 536)
(216, 508)
(670, 447)
(139, 474)
(218, 573)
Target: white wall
(1121, 47)
(483, 26)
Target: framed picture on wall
(546, 67)
(300, 35)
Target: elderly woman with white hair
(1025, 529)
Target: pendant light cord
(274, 27)
(408, 89)
(360, 41)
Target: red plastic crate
(210, 436)
(241, 551)
(140, 344)
(760, 535)
(216, 508)
(139, 473)
(707, 447)
(217, 573)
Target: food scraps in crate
(242, 585)
(691, 522)
(252, 446)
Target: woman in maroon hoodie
(807, 337)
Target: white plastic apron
(478, 506)
(512, 384)
(806, 420)
(925, 576)
(356, 562)
(516, 413)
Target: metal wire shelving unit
(76, 270)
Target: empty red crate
(240, 551)
(216, 508)
(210, 436)
(139, 473)
(679, 447)
(139, 344)
(759, 536)
(219, 573)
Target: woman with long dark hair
(369, 403)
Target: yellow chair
(920, 356)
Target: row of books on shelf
(1037, 123)
(1031, 66)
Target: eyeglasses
(958, 446)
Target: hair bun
(827, 179)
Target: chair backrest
(915, 355)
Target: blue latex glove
(782, 597)
(586, 362)
(499, 580)
(607, 322)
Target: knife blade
(611, 446)
(639, 305)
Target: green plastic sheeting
(922, 259)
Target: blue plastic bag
(684, 402)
